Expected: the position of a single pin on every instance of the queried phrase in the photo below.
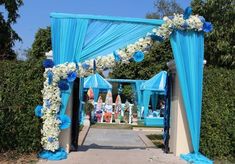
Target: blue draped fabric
(154, 100)
(67, 39)
(188, 50)
(81, 37)
(53, 156)
(138, 91)
(155, 85)
(104, 37)
(96, 94)
(146, 99)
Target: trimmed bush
(20, 92)
(218, 114)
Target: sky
(34, 14)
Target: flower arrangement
(57, 79)
(182, 22)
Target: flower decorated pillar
(186, 33)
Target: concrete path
(113, 138)
(117, 146)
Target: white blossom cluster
(194, 22)
(101, 62)
(108, 61)
(141, 45)
(51, 105)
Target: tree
(219, 44)
(160, 53)
(41, 44)
(165, 8)
(7, 35)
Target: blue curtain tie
(196, 158)
(54, 156)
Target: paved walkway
(117, 146)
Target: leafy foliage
(20, 92)
(219, 44)
(7, 34)
(155, 60)
(218, 113)
(42, 43)
(165, 8)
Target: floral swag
(59, 77)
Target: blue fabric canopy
(157, 84)
(97, 83)
(76, 38)
(80, 37)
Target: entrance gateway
(78, 40)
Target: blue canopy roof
(156, 83)
(76, 38)
(96, 81)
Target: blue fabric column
(139, 97)
(146, 99)
(68, 36)
(188, 50)
(96, 93)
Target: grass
(157, 140)
(111, 126)
(15, 157)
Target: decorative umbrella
(90, 93)
(99, 104)
(109, 98)
(108, 107)
(118, 106)
(99, 109)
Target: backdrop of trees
(8, 36)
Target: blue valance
(79, 37)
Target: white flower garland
(194, 22)
(51, 105)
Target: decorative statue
(126, 111)
(108, 107)
(99, 111)
(118, 107)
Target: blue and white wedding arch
(79, 40)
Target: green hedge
(20, 92)
(218, 114)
